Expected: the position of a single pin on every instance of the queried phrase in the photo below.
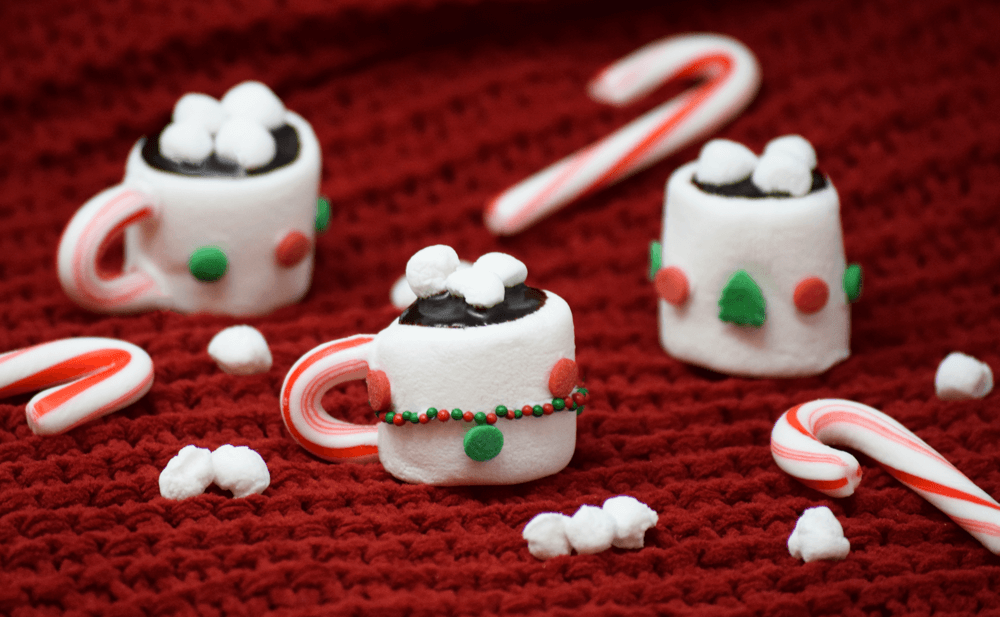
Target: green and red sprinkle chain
(575, 401)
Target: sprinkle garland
(576, 401)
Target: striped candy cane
(730, 79)
(93, 377)
(797, 446)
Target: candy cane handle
(84, 241)
(92, 377)
(308, 380)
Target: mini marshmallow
(778, 172)
(429, 267)
(186, 142)
(245, 142)
(795, 146)
(591, 530)
(402, 296)
(256, 102)
(479, 287)
(187, 474)
(200, 109)
(240, 470)
(546, 535)
(724, 162)
(632, 519)
(510, 270)
(962, 377)
(240, 350)
(818, 535)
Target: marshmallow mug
(475, 383)
(219, 213)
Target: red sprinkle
(423, 419)
(579, 398)
(468, 416)
(547, 408)
(527, 409)
(443, 415)
(398, 419)
(569, 403)
(491, 418)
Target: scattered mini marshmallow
(632, 519)
(200, 109)
(402, 296)
(793, 145)
(591, 530)
(960, 376)
(510, 270)
(429, 267)
(187, 474)
(818, 535)
(186, 142)
(240, 470)
(722, 161)
(480, 288)
(778, 172)
(256, 102)
(240, 350)
(546, 535)
(246, 142)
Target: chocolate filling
(286, 140)
(447, 311)
(746, 188)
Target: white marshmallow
(778, 172)
(818, 535)
(200, 109)
(546, 535)
(591, 530)
(240, 350)
(186, 142)
(255, 101)
(479, 287)
(187, 474)
(724, 162)
(402, 296)
(632, 519)
(962, 377)
(793, 145)
(240, 470)
(510, 270)
(245, 142)
(429, 267)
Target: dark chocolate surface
(447, 311)
(286, 140)
(746, 188)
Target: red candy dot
(491, 418)
(672, 285)
(568, 401)
(579, 398)
(563, 378)
(547, 408)
(292, 248)
(398, 419)
(443, 415)
(811, 295)
(378, 390)
(468, 416)
(423, 419)
(527, 409)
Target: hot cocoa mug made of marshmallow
(490, 404)
(236, 245)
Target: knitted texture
(426, 109)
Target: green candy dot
(208, 263)
(480, 417)
(853, 281)
(518, 413)
(432, 412)
(501, 411)
(559, 404)
(456, 414)
(406, 416)
(537, 410)
(742, 302)
(322, 213)
(483, 442)
(389, 416)
(579, 410)
(655, 258)
(414, 417)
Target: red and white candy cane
(92, 377)
(797, 444)
(730, 78)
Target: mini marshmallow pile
(785, 167)
(818, 535)
(962, 377)
(233, 468)
(240, 350)
(621, 522)
(436, 269)
(237, 128)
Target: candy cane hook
(730, 79)
(797, 444)
(93, 377)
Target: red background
(425, 109)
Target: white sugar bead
(240, 350)
(200, 109)
(255, 101)
(185, 142)
(793, 145)
(480, 288)
(818, 535)
(240, 470)
(632, 519)
(429, 267)
(546, 535)
(724, 162)
(962, 377)
(590, 530)
(187, 474)
(510, 270)
(245, 142)
(780, 172)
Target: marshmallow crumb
(246, 142)
(722, 161)
(546, 535)
(590, 530)
(186, 142)
(240, 470)
(632, 519)
(795, 146)
(187, 474)
(256, 102)
(240, 350)
(778, 172)
(480, 288)
(510, 270)
(818, 535)
(200, 109)
(960, 376)
(429, 267)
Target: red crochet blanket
(425, 109)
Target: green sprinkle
(742, 302)
(853, 281)
(583, 391)
(483, 443)
(389, 416)
(537, 410)
(518, 413)
(456, 414)
(414, 417)
(322, 213)
(559, 404)
(480, 417)
(655, 258)
(406, 416)
(432, 412)
(208, 263)
(501, 411)
(579, 410)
